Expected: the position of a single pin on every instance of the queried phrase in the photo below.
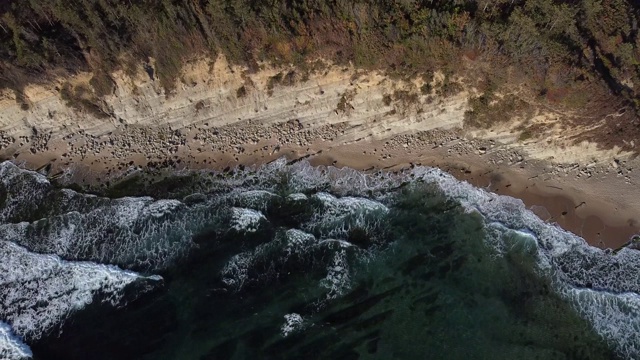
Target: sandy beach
(593, 218)
(339, 117)
(600, 221)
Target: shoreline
(341, 117)
(583, 214)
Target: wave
(338, 216)
(247, 220)
(11, 347)
(615, 316)
(40, 291)
(292, 247)
(35, 214)
(601, 286)
(149, 234)
(594, 281)
(292, 323)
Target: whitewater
(62, 251)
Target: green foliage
(274, 81)
(489, 109)
(405, 97)
(81, 99)
(525, 135)
(550, 40)
(344, 104)
(387, 99)
(22, 100)
(425, 89)
(241, 92)
(102, 84)
(449, 87)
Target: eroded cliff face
(274, 106)
(219, 94)
(221, 116)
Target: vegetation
(273, 82)
(241, 92)
(555, 43)
(82, 99)
(344, 104)
(489, 109)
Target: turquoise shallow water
(290, 261)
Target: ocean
(291, 261)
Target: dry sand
(555, 199)
(337, 116)
(595, 219)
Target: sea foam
(11, 347)
(601, 286)
(594, 281)
(292, 322)
(247, 220)
(41, 291)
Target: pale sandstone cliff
(227, 115)
(208, 94)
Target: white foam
(137, 232)
(255, 199)
(616, 317)
(504, 209)
(341, 243)
(613, 310)
(349, 203)
(11, 347)
(8, 171)
(41, 291)
(340, 215)
(297, 242)
(338, 279)
(292, 323)
(277, 252)
(160, 208)
(342, 181)
(561, 255)
(297, 197)
(124, 211)
(236, 271)
(24, 187)
(247, 220)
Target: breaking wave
(61, 249)
(11, 347)
(40, 291)
(601, 286)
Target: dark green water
(294, 262)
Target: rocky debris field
(5, 140)
(130, 149)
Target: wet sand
(555, 199)
(586, 221)
(598, 222)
